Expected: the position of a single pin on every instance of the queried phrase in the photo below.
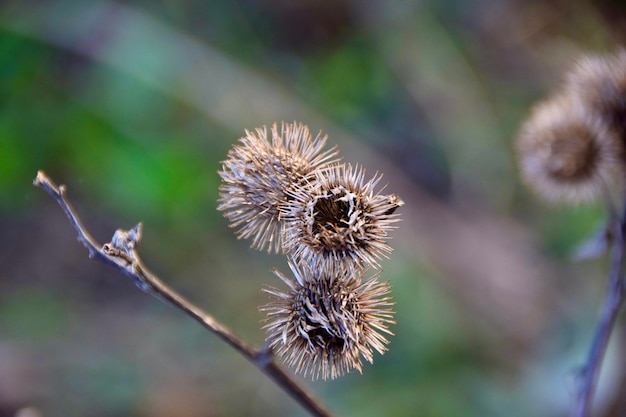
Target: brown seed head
(567, 153)
(325, 324)
(600, 82)
(259, 174)
(338, 221)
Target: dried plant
(327, 322)
(291, 196)
(571, 149)
(567, 153)
(600, 82)
(339, 221)
(331, 318)
(259, 174)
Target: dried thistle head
(339, 221)
(600, 82)
(566, 152)
(259, 173)
(325, 324)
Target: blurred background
(134, 104)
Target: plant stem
(613, 302)
(121, 254)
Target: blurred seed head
(600, 82)
(325, 324)
(259, 174)
(566, 152)
(337, 220)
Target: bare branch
(121, 254)
(612, 304)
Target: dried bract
(325, 324)
(259, 174)
(567, 153)
(339, 221)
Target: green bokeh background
(133, 105)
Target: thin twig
(121, 254)
(612, 304)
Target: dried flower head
(567, 153)
(339, 221)
(325, 324)
(600, 82)
(259, 173)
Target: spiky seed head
(324, 325)
(259, 174)
(339, 221)
(568, 153)
(600, 82)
